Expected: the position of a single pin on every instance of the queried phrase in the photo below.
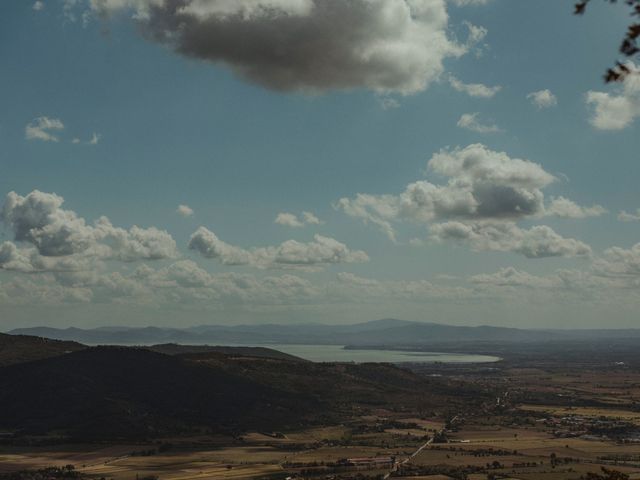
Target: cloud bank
(320, 252)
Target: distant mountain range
(379, 333)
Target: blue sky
(180, 122)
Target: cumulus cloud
(185, 211)
(320, 252)
(470, 121)
(14, 259)
(565, 208)
(38, 5)
(43, 128)
(482, 184)
(618, 109)
(485, 194)
(624, 216)
(478, 90)
(306, 45)
(539, 241)
(39, 221)
(291, 220)
(543, 99)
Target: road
(417, 452)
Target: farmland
(527, 417)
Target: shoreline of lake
(339, 353)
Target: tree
(629, 46)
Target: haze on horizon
(455, 161)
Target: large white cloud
(54, 236)
(308, 45)
(320, 252)
(482, 184)
(485, 194)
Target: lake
(337, 353)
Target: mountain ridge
(378, 332)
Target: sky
(177, 163)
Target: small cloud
(471, 122)
(467, 3)
(618, 109)
(624, 216)
(543, 99)
(185, 211)
(94, 140)
(477, 90)
(475, 39)
(37, 6)
(40, 129)
(477, 33)
(417, 242)
(310, 218)
(288, 220)
(388, 103)
(291, 220)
